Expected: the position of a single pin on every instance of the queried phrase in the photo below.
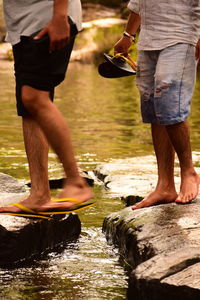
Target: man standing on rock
(168, 44)
(42, 33)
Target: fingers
(57, 44)
(122, 46)
(58, 36)
(40, 34)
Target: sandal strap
(127, 59)
(24, 208)
(73, 200)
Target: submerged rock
(24, 239)
(160, 245)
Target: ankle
(166, 185)
(39, 196)
(189, 172)
(76, 181)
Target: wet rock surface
(25, 239)
(160, 245)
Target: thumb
(40, 34)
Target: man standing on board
(42, 33)
(169, 48)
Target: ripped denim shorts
(165, 79)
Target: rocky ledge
(24, 239)
(161, 247)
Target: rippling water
(105, 123)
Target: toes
(183, 199)
(141, 204)
(134, 207)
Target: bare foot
(77, 190)
(159, 196)
(189, 188)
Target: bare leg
(56, 131)
(180, 138)
(47, 124)
(37, 154)
(165, 190)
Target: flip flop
(25, 212)
(117, 66)
(79, 205)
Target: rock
(24, 239)
(10, 185)
(135, 176)
(11, 190)
(9, 198)
(160, 245)
(132, 176)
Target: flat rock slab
(135, 176)
(161, 246)
(24, 239)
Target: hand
(197, 53)
(122, 46)
(58, 31)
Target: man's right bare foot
(159, 196)
(189, 188)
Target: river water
(105, 123)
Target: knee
(31, 98)
(28, 96)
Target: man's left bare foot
(189, 188)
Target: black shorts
(36, 67)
